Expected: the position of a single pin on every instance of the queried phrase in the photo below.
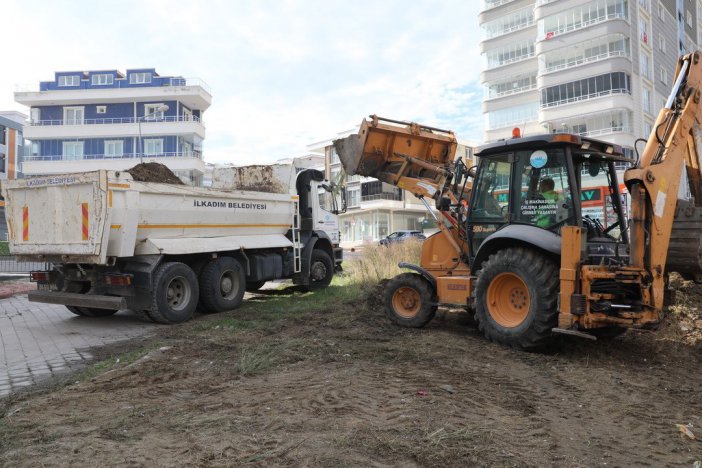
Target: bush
(4, 248)
(379, 262)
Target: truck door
(324, 209)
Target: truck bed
(89, 217)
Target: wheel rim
(318, 271)
(406, 302)
(228, 284)
(178, 293)
(508, 300)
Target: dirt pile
(685, 319)
(154, 172)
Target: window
(643, 31)
(664, 76)
(688, 18)
(153, 146)
(646, 100)
(510, 54)
(69, 80)
(3, 132)
(589, 88)
(516, 115)
(100, 109)
(114, 148)
(644, 69)
(661, 43)
(647, 129)
(511, 22)
(514, 85)
(73, 115)
(353, 197)
(35, 114)
(644, 4)
(582, 17)
(72, 150)
(139, 78)
(152, 112)
(584, 52)
(102, 79)
(661, 12)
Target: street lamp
(158, 110)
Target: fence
(8, 264)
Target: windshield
(596, 178)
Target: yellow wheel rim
(406, 302)
(508, 300)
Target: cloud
(283, 73)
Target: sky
(283, 74)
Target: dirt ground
(341, 386)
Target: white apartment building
(599, 68)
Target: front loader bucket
(393, 148)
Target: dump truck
(165, 250)
(515, 245)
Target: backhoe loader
(515, 244)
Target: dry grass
(379, 262)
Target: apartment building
(107, 119)
(374, 208)
(11, 147)
(600, 68)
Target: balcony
(56, 164)
(490, 4)
(584, 97)
(114, 127)
(584, 60)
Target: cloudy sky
(284, 74)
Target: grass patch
(379, 262)
(256, 359)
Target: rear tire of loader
(175, 293)
(222, 285)
(409, 301)
(517, 298)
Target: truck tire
(175, 293)
(409, 301)
(91, 311)
(254, 285)
(321, 270)
(222, 285)
(517, 298)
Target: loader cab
(537, 185)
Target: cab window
(545, 198)
(491, 200)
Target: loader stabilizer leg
(571, 254)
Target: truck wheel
(321, 270)
(254, 285)
(175, 293)
(77, 310)
(95, 312)
(517, 298)
(222, 285)
(409, 301)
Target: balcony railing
(583, 60)
(584, 97)
(489, 4)
(114, 120)
(511, 91)
(124, 83)
(566, 28)
(382, 196)
(606, 131)
(173, 154)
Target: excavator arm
(670, 155)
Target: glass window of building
(584, 52)
(102, 79)
(69, 80)
(589, 88)
(644, 68)
(582, 16)
(139, 78)
(114, 148)
(512, 85)
(72, 150)
(510, 22)
(509, 54)
(511, 116)
(646, 99)
(153, 146)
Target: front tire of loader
(517, 298)
(409, 301)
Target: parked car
(401, 236)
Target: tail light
(39, 276)
(118, 280)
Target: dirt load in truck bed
(154, 172)
(325, 380)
